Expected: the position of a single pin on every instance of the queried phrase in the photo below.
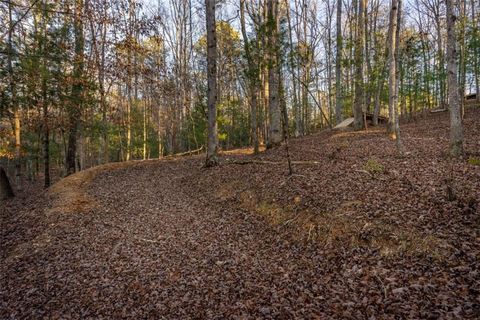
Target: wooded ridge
(240, 159)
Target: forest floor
(357, 232)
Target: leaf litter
(360, 232)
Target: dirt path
(152, 250)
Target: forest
(267, 159)
(90, 82)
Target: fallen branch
(314, 100)
(365, 171)
(437, 110)
(188, 153)
(373, 176)
(306, 162)
(243, 162)
(148, 240)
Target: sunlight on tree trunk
(358, 104)
(212, 144)
(393, 82)
(338, 66)
(456, 127)
(75, 107)
(275, 129)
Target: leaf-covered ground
(357, 232)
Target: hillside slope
(356, 232)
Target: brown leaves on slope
(169, 239)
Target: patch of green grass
(474, 161)
(373, 167)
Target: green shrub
(373, 167)
(474, 161)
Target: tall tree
(212, 143)
(75, 107)
(456, 127)
(393, 72)
(358, 104)
(338, 66)
(45, 100)
(293, 71)
(252, 78)
(274, 112)
(476, 46)
(13, 99)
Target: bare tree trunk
(18, 153)
(380, 84)
(380, 63)
(476, 53)
(393, 75)
(145, 128)
(392, 98)
(291, 64)
(130, 45)
(46, 131)
(77, 88)
(101, 59)
(441, 60)
(253, 82)
(212, 144)
(329, 62)
(462, 53)
(16, 111)
(275, 129)
(358, 103)
(338, 66)
(456, 128)
(286, 135)
(103, 101)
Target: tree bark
(46, 130)
(46, 136)
(379, 89)
(393, 74)
(338, 66)
(476, 53)
(13, 102)
(77, 88)
(456, 127)
(275, 129)
(252, 77)
(212, 143)
(392, 98)
(291, 64)
(358, 103)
